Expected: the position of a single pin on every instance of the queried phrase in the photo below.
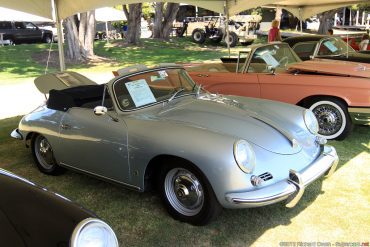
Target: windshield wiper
(176, 93)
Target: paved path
(23, 97)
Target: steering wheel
(283, 61)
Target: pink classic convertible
(337, 92)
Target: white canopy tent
(60, 9)
(14, 15)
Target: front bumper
(290, 189)
(16, 134)
(360, 115)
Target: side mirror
(100, 110)
(271, 69)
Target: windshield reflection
(147, 88)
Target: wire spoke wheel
(184, 191)
(333, 119)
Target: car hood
(32, 216)
(333, 67)
(260, 126)
(61, 80)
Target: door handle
(65, 126)
(202, 75)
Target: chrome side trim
(360, 115)
(102, 177)
(15, 134)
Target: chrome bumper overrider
(15, 134)
(290, 189)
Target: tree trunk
(87, 33)
(133, 15)
(158, 18)
(80, 36)
(325, 21)
(171, 12)
(164, 17)
(73, 51)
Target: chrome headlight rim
(83, 224)
(309, 119)
(251, 156)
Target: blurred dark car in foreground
(33, 216)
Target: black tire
(198, 36)
(44, 157)
(332, 115)
(48, 39)
(11, 41)
(233, 39)
(177, 181)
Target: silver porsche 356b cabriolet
(154, 127)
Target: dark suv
(24, 32)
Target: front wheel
(48, 39)
(44, 156)
(187, 195)
(198, 36)
(333, 118)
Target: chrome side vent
(265, 176)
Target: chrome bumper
(16, 134)
(359, 115)
(290, 189)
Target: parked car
(24, 32)
(337, 92)
(329, 47)
(156, 126)
(354, 42)
(31, 215)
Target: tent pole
(106, 31)
(60, 36)
(300, 19)
(226, 11)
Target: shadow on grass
(139, 219)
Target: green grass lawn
(333, 210)
(19, 62)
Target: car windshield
(147, 88)
(274, 56)
(333, 47)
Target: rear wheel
(48, 39)
(233, 39)
(187, 194)
(44, 156)
(198, 36)
(332, 116)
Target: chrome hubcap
(329, 119)
(44, 152)
(184, 191)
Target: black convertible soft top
(87, 96)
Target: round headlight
(244, 156)
(311, 121)
(93, 232)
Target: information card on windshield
(140, 92)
